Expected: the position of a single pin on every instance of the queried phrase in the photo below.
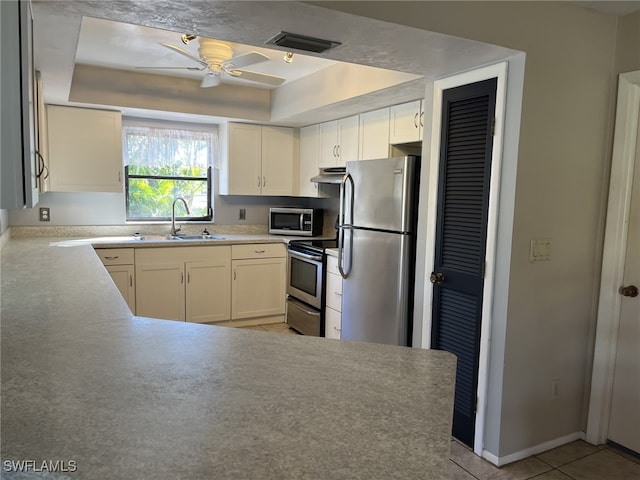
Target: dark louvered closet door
(461, 232)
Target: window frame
(206, 218)
(195, 128)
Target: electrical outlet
(243, 214)
(555, 389)
(45, 214)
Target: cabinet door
(244, 157)
(123, 277)
(374, 134)
(328, 144)
(277, 161)
(160, 290)
(208, 293)
(348, 146)
(332, 323)
(405, 123)
(309, 156)
(85, 149)
(258, 287)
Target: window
(162, 164)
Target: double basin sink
(169, 237)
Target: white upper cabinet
(277, 161)
(338, 142)
(241, 172)
(374, 134)
(256, 160)
(406, 122)
(309, 155)
(85, 149)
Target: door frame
(625, 143)
(498, 71)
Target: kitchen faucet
(174, 230)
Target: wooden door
(258, 288)
(461, 230)
(277, 161)
(208, 292)
(160, 290)
(123, 277)
(245, 159)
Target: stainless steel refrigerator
(376, 242)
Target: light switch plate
(540, 250)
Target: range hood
(331, 175)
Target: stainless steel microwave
(305, 222)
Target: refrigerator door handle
(341, 264)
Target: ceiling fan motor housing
(214, 52)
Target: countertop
(120, 396)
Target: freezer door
(383, 193)
(375, 294)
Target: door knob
(629, 291)
(436, 278)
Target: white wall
(562, 164)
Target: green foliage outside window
(164, 165)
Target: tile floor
(577, 460)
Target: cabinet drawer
(332, 323)
(332, 265)
(334, 292)
(115, 256)
(258, 250)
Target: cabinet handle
(259, 251)
(131, 280)
(264, 182)
(119, 176)
(188, 277)
(338, 149)
(334, 151)
(234, 274)
(338, 294)
(112, 258)
(258, 180)
(421, 118)
(415, 119)
(181, 277)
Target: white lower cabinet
(119, 262)
(333, 307)
(258, 281)
(184, 283)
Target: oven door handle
(306, 255)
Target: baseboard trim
(527, 452)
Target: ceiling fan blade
(258, 77)
(185, 53)
(210, 81)
(244, 60)
(172, 68)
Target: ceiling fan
(216, 58)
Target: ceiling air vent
(302, 42)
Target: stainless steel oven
(305, 286)
(305, 277)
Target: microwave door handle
(302, 222)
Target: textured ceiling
(365, 41)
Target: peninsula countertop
(88, 384)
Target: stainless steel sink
(194, 237)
